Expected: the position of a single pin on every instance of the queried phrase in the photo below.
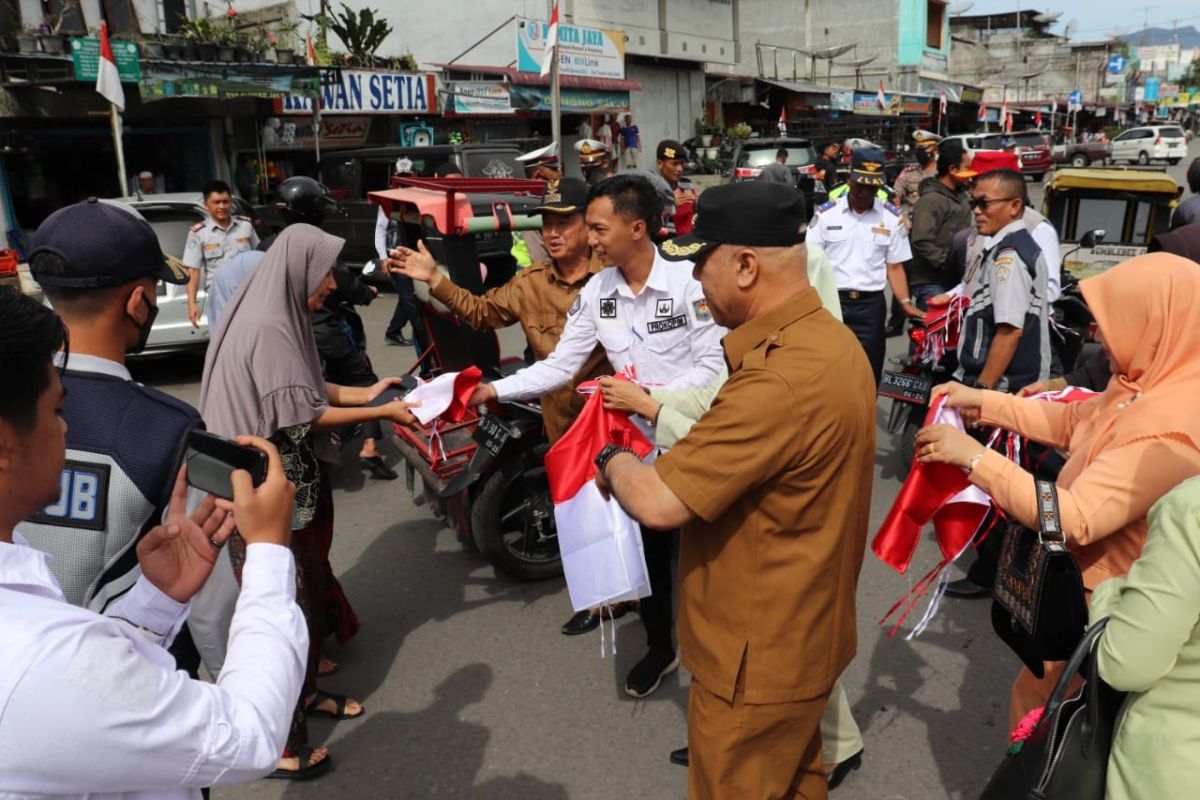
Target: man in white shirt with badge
(92, 705)
(650, 315)
(867, 244)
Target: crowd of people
(121, 583)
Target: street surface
(471, 691)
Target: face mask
(144, 328)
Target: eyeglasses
(984, 202)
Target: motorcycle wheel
(908, 443)
(512, 519)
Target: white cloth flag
(108, 80)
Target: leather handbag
(1066, 755)
(1038, 606)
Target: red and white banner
(108, 80)
(601, 545)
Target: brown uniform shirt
(779, 473)
(538, 298)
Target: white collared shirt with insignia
(665, 333)
(210, 246)
(860, 246)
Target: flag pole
(122, 176)
(555, 96)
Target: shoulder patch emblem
(892, 208)
(199, 226)
(671, 248)
(608, 308)
(1002, 273)
(700, 309)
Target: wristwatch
(606, 455)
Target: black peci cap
(100, 244)
(753, 213)
(670, 150)
(564, 196)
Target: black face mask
(144, 328)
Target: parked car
(1032, 148)
(1150, 143)
(1081, 154)
(171, 216)
(350, 174)
(751, 155)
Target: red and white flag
(783, 121)
(1008, 121)
(982, 111)
(445, 396)
(551, 42)
(310, 52)
(1037, 119)
(600, 544)
(881, 96)
(108, 80)
(942, 103)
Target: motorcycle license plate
(492, 434)
(905, 387)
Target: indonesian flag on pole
(942, 103)
(551, 42)
(108, 81)
(783, 121)
(600, 544)
(310, 52)
(881, 96)
(982, 111)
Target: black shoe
(966, 589)
(583, 622)
(843, 769)
(398, 341)
(646, 675)
(680, 756)
(379, 470)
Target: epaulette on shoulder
(892, 208)
(827, 205)
(199, 226)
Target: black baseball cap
(866, 166)
(752, 213)
(564, 196)
(100, 244)
(670, 150)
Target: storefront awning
(534, 79)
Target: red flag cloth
(465, 384)
(108, 81)
(683, 218)
(570, 463)
(934, 492)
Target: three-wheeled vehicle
(484, 475)
(1130, 204)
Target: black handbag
(1038, 606)
(1066, 756)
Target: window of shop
(935, 17)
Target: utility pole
(555, 96)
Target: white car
(1150, 143)
(171, 216)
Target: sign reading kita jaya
(361, 92)
(85, 59)
(588, 52)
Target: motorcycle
(483, 475)
(909, 386)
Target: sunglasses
(984, 202)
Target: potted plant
(362, 33)
(283, 40)
(152, 47)
(740, 132)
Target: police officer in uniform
(593, 159)
(867, 245)
(124, 440)
(213, 242)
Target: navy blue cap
(866, 166)
(751, 213)
(99, 244)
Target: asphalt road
(472, 692)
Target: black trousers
(406, 310)
(657, 610)
(865, 315)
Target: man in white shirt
(651, 317)
(92, 705)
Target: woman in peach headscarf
(1127, 448)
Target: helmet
(303, 200)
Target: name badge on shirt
(881, 230)
(82, 499)
(608, 308)
(833, 227)
(664, 325)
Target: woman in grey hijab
(263, 376)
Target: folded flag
(445, 396)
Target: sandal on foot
(307, 771)
(325, 673)
(339, 701)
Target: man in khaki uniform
(538, 297)
(770, 551)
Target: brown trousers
(743, 750)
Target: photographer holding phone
(263, 375)
(93, 704)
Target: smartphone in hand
(211, 459)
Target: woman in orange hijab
(1127, 447)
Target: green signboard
(85, 55)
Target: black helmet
(303, 200)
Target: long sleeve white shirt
(93, 707)
(665, 333)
